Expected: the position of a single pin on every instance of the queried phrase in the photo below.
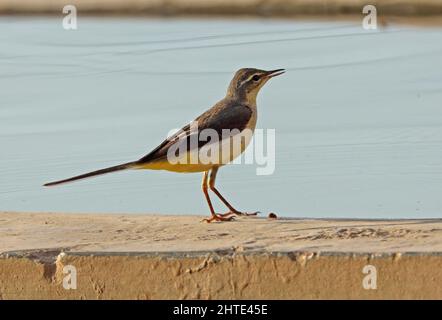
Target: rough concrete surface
(178, 257)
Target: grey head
(247, 82)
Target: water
(358, 115)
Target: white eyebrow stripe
(248, 79)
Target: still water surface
(358, 115)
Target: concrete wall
(223, 275)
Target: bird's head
(247, 82)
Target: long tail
(93, 173)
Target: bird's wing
(228, 116)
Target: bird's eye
(255, 77)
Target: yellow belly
(196, 160)
(175, 167)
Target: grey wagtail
(235, 115)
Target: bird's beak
(274, 73)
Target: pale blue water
(358, 116)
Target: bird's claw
(238, 213)
(219, 217)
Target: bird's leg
(232, 211)
(214, 216)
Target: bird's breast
(213, 154)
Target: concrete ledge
(225, 7)
(226, 275)
(125, 256)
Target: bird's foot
(219, 217)
(239, 213)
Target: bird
(230, 124)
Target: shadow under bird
(236, 114)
